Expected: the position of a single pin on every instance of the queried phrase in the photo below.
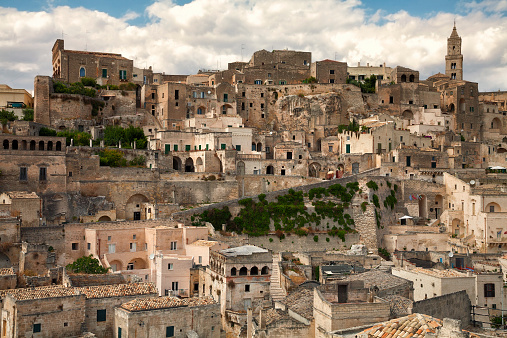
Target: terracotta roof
(399, 305)
(41, 292)
(145, 304)
(415, 325)
(275, 315)
(117, 290)
(301, 302)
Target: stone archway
(199, 165)
(270, 170)
(134, 207)
(189, 165)
(314, 169)
(408, 115)
(104, 219)
(176, 163)
(496, 123)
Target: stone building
(168, 317)
(238, 278)
(107, 68)
(26, 206)
(329, 71)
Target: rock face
(358, 249)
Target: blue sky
(183, 36)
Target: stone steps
(276, 291)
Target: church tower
(454, 58)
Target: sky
(183, 36)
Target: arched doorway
(314, 169)
(455, 227)
(270, 170)
(496, 123)
(408, 115)
(134, 207)
(226, 109)
(423, 205)
(451, 107)
(240, 168)
(116, 265)
(6, 144)
(411, 78)
(176, 163)
(105, 219)
(5, 262)
(189, 165)
(199, 165)
(136, 263)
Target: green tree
(112, 158)
(87, 264)
(114, 134)
(47, 132)
(6, 115)
(80, 138)
(27, 114)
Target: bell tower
(454, 58)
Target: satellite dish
(152, 256)
(472, 182)
(451, 254)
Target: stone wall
(455, 305)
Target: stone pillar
(91, 143)
(249, 323)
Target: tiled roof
(382, 280)
(275, 315)
(415, 325)
(439, 273)
(145, 304)
(301, 302)
(7, 271)
(399, 305)
(117, 290)
(40, 292)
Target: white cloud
(203, 33)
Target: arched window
(264, 270)
(6, 144)
(15, 145)
(411, 78)
(32, 145)
(254, 271)
(58, 146)
(82, 72)
(50, 145)
(199, 111)
(41, 145)
(403, 78)
(233, 272)
(243, 271)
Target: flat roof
(246, 250)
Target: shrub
(315, 238)
(372, 185)
(86, 264)
(375, 201)
(47, 132)
(6, 116)
(270, 239)
(27, 114)
(327, 239)
(363, 206)
(80, 138)
(112, 158)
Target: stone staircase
(275, 290)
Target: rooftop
(415, 325)
(7, 271)
(40, 292)
(301, 302)
(98, 54)
(246, 250)
(117, 290)
(439, 273)
(146, 304)
(382, 280)
(202, 242)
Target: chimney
(359, 64)
(367, 64)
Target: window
(289, 155)
(347, 148)
(331, 148)
(200, 259)
(331, 72)
(130, 266)
(174, 286)
(123, 74)
(37, 328)
(391, 99)
(267, 150)
(75, 246)
(132, 247)
(491, 208)
(226, 97)
(88, 246)
(119, 328)
(111, 248)
(222, 146)
(101, 315)
(176, 94)
(82, 72)
(169, 266)
(331, 80)
(23, 175)
(262, 105)
(489, 290)
(247, 287)
(174, 245)
(42, 174)
(169, 331)
(104, 72)
(262, 94)
(258, 82)
(175, 147)
(238, 147)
